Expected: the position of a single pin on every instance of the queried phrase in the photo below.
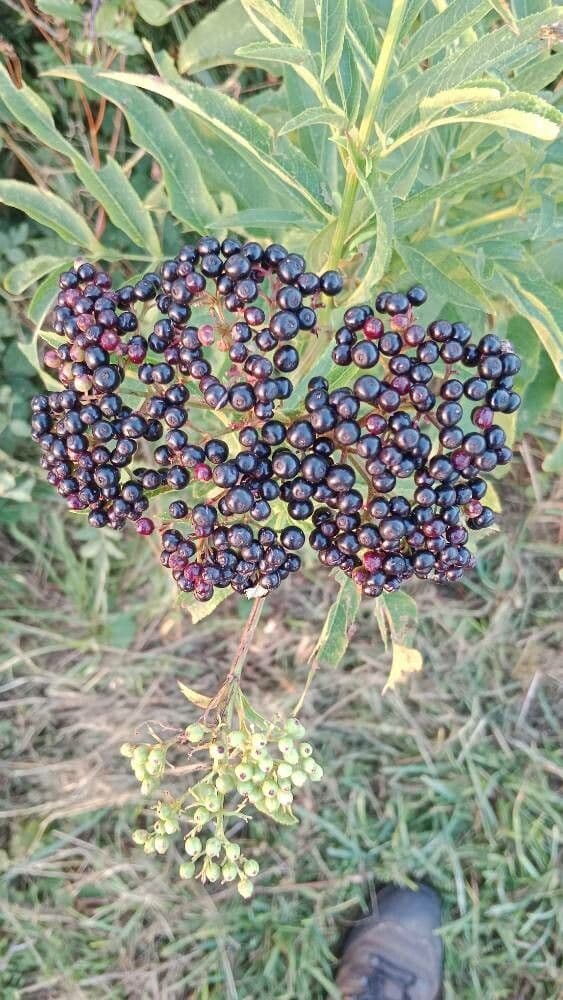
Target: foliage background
(452, 778)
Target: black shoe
(395, 954)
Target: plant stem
(372, 107)
(232, 679)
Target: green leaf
(28, 271)
(51, 211)
(214, 40)
(272, 22)
(332, 23)
(537, 395)
(156, 12)
(402, 614)
(313, 116)
(440, 30)
(253, 139)
(360, 31)
(459, 95)
(273, 52)
(349, 82)
(202, 609)
(201, 700)
(151, 130)
(484, 172)
(405, 176)
(539, 301)
(116, 194)
(336, 633)
(496, 49)
(382, 202)
(434, 277)
(265, 220)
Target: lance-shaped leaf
(332, 24)
(440, 30)
(151, 130)
(253, 138)
(51, 211)
(114, 191)
(30, 270)
(313, 116)
(336, 633)
(215, 39)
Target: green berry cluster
(260, 766)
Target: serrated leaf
(28, 271)
(214, 40)
(405, 661)
(313, 116)
(349, 82)
(332, 25)
(432, 276)
(272, 52)
(151, 129)
(335, 636)
(459, 95)
(402, 614)
(253, 139)
(438, 31)
(541, 303)
(272, 22)
(201, 700)
(483, 173)
(496, 49)
(51, 211)
(116, 194)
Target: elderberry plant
(383, 472)
(250, 410)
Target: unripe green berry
(258, 741)
(285, 782)
(305, 749)
(187, 869)
(155, 761)
(201, 815)
(192, 846)
(269, 789)
(314, 770)
(251, 867)
(271, 805)
(171, 826)
(139, 836)
(245, 787)
(265, 764)
(146, 787)
(139, 772)
(236, 739)
(244, 771)
(299, 778)
(212, 872)
(217, 751)
(291, 757)
(255, 796)
(161, 845)
(285, 744)
(140, 754)
(213, 847)
(294, 729)
(284, 770)
(148, 846)
(230, 871)
(285, 797)
(212, 800)
(245, 888)
(224, 783)
(232, 851)
(127, 749)
(195, 733)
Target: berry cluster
(249, 767)
(219, 329)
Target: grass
(453, 779)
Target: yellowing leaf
(405, 661)
(201, 700)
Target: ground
(451, 780)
